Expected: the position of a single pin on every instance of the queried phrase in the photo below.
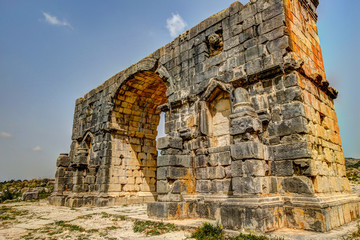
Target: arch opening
(136, 117)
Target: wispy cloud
(37, 149)
(53, 20)
(175, 25)
(5, 135)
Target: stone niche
(219, 121)
(252, 138)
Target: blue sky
(52, 52)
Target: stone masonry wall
(251, 132)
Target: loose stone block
(30, 196)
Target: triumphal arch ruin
(252, 138)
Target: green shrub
(210, 232)
(354, 235)
(153, 228)
(6, 195)
(70, 227)
(44, 195)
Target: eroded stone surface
(252, 138)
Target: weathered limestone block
(301, 185)
(216, 172)
(245, 124)
(293, 110)
(201, 173)
(63, 160)
(245, 216)
(175, 160)
(81, 158)
(201, 161)
(246, 185)
(282, 168)
(30, 196)
(62, 180)
(290, 151)
(237, 169)
(289, 95)
(60, 172)
(287, 127)
(169, 142)
(203, 186)
(90, 179)
(255, 168)
(177, 172)
(219, 186)
(176, 187)
(247, 150)
(172, 172)
(222, 159)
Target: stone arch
(148, 64)
(87, 140)
(134, 120)
(215, 85)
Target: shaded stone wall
(251, 132)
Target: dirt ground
(39, 220)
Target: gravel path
(39, 220)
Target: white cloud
(55, 21)
(37, 149)
(175, 25)
(5, 135)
